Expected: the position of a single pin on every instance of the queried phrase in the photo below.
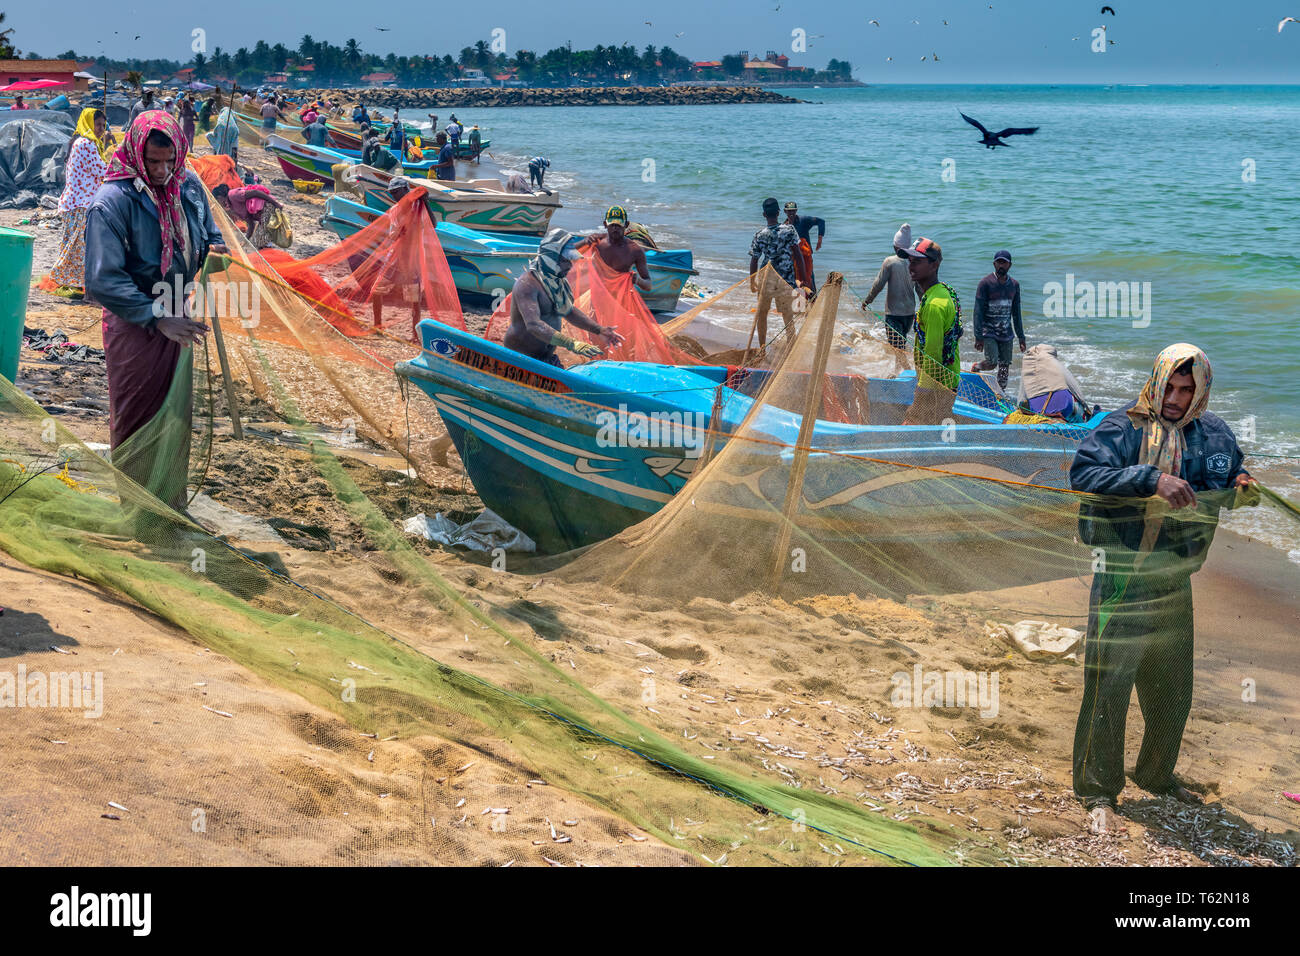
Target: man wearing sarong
(542, 299)
(804, 225)
(1165, 448)
(149, 229)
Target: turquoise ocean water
(1121, 184)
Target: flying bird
(992, 140)
(648, 23)
(1284, 21)
(1108, 9)
(384, 29)
(889, 59)
(924, 58)
(935, 57)
(876, 22)
(137, 36)
(682, 34)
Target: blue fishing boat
(573, 456)
(487, 263)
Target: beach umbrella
(200, 85)
(31, 85)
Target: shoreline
(485, 97)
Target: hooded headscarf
(86, 128)
(128, 163)
(903, 238)
(1162, 441)
(546, 267)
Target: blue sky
(1018, 41)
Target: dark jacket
(1106, 464)
(124, 246)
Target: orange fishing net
(610, 298)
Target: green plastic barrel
(15, 286)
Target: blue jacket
(124, 246)
(1106, 464)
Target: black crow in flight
(991, 140)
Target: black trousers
(1146, 641)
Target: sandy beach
(191, 737)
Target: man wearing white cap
(900, 301)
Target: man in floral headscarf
(1165, 447)
(147, 233)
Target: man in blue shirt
(445, 168)
(997, 315)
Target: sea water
(1187, 195)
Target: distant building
(378, 79)
(472, 77)
(11, 71)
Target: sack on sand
(1039, 640)
(277, 226)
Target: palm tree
(482, 55)
(352, 56)
(7, 51)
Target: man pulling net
(1166, 444)
(542, 299)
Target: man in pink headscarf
(1166, 448)
(148, 231)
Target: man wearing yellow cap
(620, 253)
(1165, 448)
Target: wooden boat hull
(300, 161)
(479, 269)
(483, 210)
(543, 463)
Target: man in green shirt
(938, 329)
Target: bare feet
(1103, 820)
(1182, 794)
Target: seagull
(924, 58)
(384, 29)
(1284, 21)
(917, 22)
(935, 57)
(876, 22)
(1108, 9)
(648, 23)
(682, 34)
(945, 22)
(889, 59)
(137, 36)
(1073, 38)
(992, 140)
